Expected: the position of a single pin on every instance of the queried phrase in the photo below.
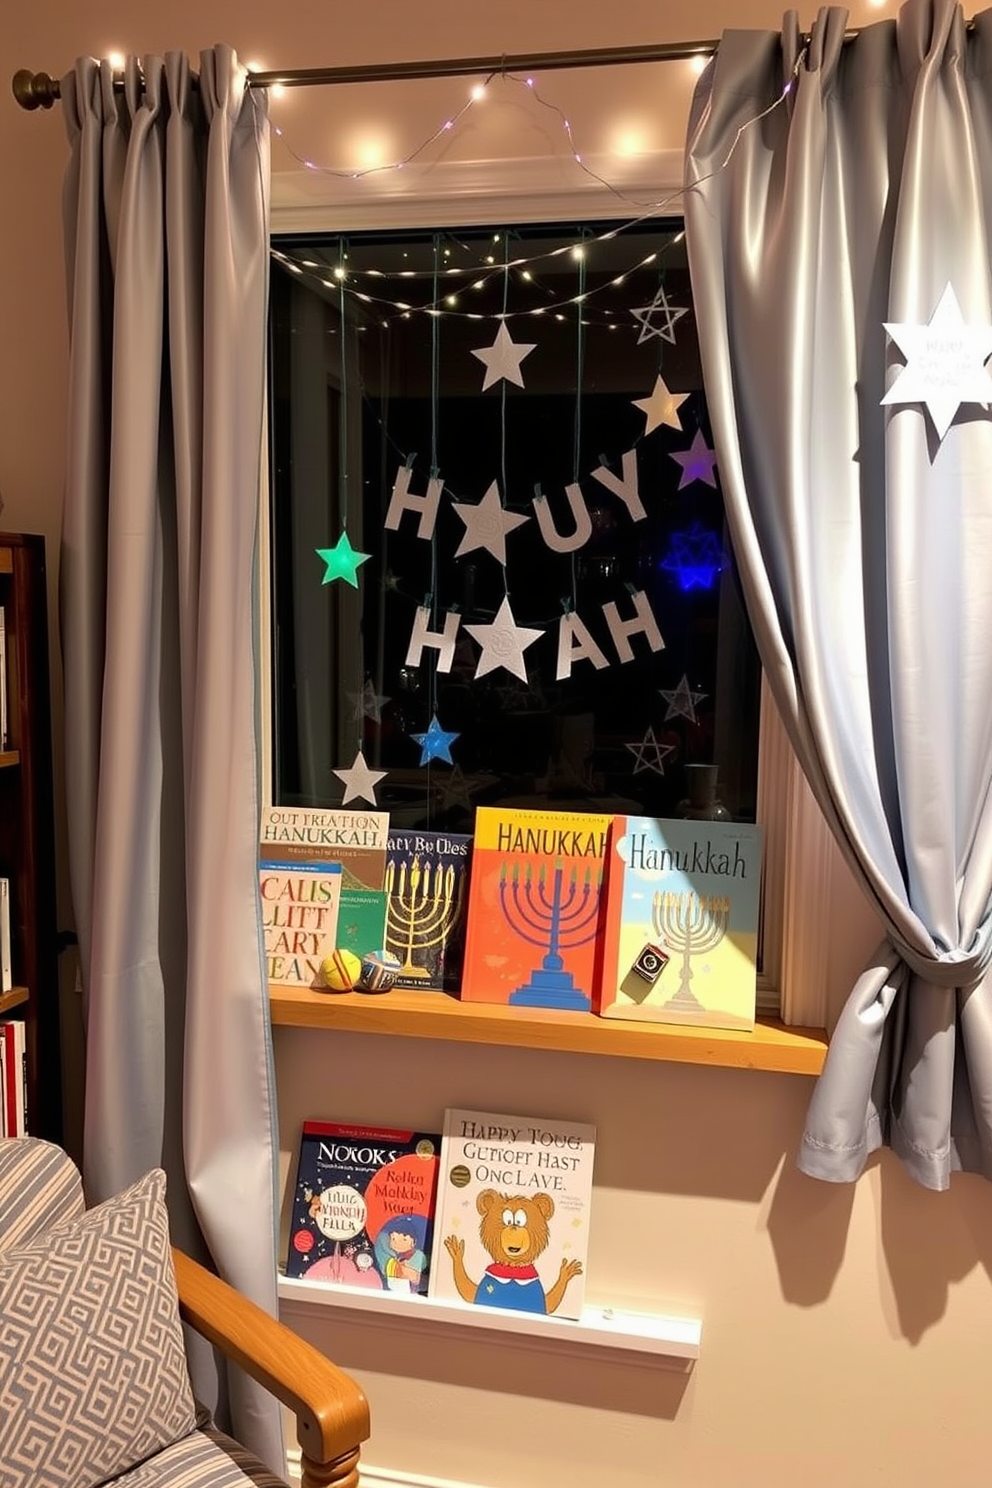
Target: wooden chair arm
(332, 1414)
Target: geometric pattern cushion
(39, 1187)
(93, 1376)
(205, 1459)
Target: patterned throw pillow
(93, 1375)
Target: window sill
(639, 1337)
(436, 1015)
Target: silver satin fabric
(864, 544)
(166, 224)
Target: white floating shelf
(642, 1337)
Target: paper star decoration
(945, 363)
(502, 359)
(359, 781)
(682, 701)
(503, 643)
(695, 557)
(368, 703)
(486, 525)
(435, 744)
(456, 791)
(697, 462)
(662, 407)
(342, 561)
(649, 754)
(659, 306)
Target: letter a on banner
(403, 500)
(443, 642)
(644, 623)
(576, 644)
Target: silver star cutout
(486, 525)
(682, 701)
(502, 359)
(359, 782)
(945, 363)
(659, 306)
(503, 643)
(456, 791)
(649, 754)
(368, 703)
(662, 407)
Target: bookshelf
(27, 833)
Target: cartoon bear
(514, 1230)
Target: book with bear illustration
(680, 937)
(511, 1229)
(534, 907)
(363, 1207)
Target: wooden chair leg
(341, 1473)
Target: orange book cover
(534, 907)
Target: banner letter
(626, 488)
(576, 644)
(402, 500)
(644, 622)
(580, 514)
(443, 642)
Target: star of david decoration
(945, 363)
(695, 558)
(668, 314)
(435, 744)
(649, 754)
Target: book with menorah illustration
(680, 936)
(426, 895)
(534, 908)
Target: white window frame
(801, 858)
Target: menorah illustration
(422, 908)
(690, 924)
(557, 921)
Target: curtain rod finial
(34, 90)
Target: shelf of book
(9, 758)
(437, 1015)
(640, 1337)
(15, 998)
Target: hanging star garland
(697, 462)
(342, 562)
(368, 703)
(695, 557)
(502, 359)
(682, 701)
(661, 407)
(486, 525)
(503, 643)
(649, 754)
(945, 363)
(359, 781)
(435, 744)
(669, 313)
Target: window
(630, 657)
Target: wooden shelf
(9, 758)
(16, 997)
(641, 1337)
(436, 1015)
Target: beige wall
(846, 1330)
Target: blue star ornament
(695, 558)
(435, 744)
(342, 562)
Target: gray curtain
(865, 543)
(166, 221)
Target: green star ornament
(342, 561)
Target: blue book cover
(680, 938)
(426, 897)
(363, 1206)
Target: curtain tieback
(957, 968)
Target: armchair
(93, 1381)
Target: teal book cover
(361, 920)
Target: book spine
(6, 970)
(11, 1081)
(3, 680)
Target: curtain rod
(34, 90)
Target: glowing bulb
(578, 251)
(451, 300)
(278, 90)
(478, 92)
(698, 63)
(339, 272)
(525, 274)
(116, 60)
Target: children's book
(534, 907)
(512, 1227)
(426, 895)
(681, 928)
(363, 1207)
(299, 919)
(354, 839)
